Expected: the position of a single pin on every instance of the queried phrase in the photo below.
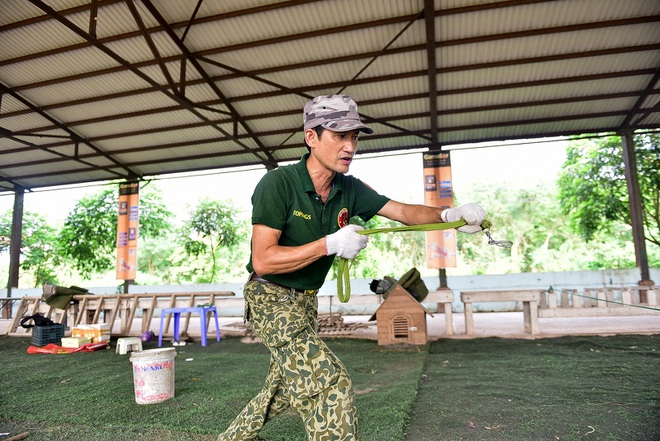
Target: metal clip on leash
(491, 241)
(344, 279)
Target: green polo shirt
(285, 200)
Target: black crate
(43, 335)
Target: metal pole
(442, 274)
(635, 201)
(15, 243)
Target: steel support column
(635, 201)
(15, 244)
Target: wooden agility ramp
(120, 311)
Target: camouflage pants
(304, 374)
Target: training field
(567, 388)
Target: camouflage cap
(338, 113)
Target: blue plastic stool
(176, 313)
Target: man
(300, 223)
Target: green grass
(90, 396)
(556, 389)
(483, 389)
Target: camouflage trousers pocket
(308, 367)
(275, 318)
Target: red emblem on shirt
(342, 218)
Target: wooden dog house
(401, 319)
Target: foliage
(542, 242)
(38, 252)
(88, 236)
(213, 229)
(528, 217)
(593, 187)
(388, 254)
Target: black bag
(410, 281)
(37, 319)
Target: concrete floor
(486, 324)
(510, 325)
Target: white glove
(472, 213)
(346, 242)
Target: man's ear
(311, 137)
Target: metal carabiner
(499, 243)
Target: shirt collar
(306, 180)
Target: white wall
(561, 280)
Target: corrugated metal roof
(158, 88)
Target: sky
(398, 176)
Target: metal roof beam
(254, 74)
(634, 110)
(269, 161)
(429, 22)
(152, 46)
(388, 99)
(415, 133)
(75, 138)
(184, 102)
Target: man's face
(334, 150)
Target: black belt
(308, 292)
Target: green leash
(343, 276)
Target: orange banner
(438, 192)
(127, 230)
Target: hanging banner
(438, 192)
(127, 230)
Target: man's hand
(346, 242)
(472, 213)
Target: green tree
(528, 217)
(593, 189)
(89, 234)
(211, 233)
(387, 254)
(38, 246)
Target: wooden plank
(97, 311)
(191, 293)
(208, 317)
(596, 312)
(126, 329)
(191, 304)
(501, 296)
(20, 311)
(442, 296)
(626, 297)
(444, 299)
(148, 313)
(532, 317)
(449, 318)
(81, 312)
(113, 313)
(469, 318)
(576, 300)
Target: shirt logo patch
(342, 218)
(301, 214)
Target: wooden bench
(529, 299)
(444, 298)
(599, 302)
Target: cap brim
(347, 126)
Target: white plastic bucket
(153, 375)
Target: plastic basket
(43, 335)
